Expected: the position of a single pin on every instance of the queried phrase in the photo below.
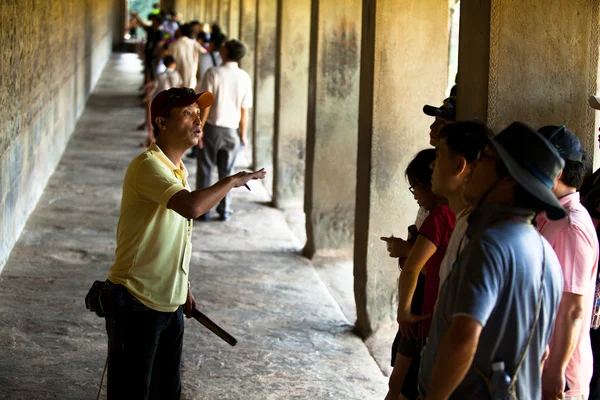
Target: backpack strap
(214, 60)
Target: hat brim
(205, 99)
(530, 182)
(438, 112)
(594, 102)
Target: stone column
(214, 13)
(332, 127)
(248, 37)
(208, 12)
(291, 102)
(119, 22)
(404, 65)
(264, 87)
(234, 19)
(224, 15)
(201, 11)
(519, 61)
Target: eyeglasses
(412, 188)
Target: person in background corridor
(590, 197)
(154, 249)
(221, 141)
(496, 310)
(166, 80)
(186, 50)
(576, 245)
(154, 36)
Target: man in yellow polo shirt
(153, 251)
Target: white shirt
(206, 63)
(186, 53)
(456, 244)
(232, 89)
(167, 80)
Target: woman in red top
(424, 258)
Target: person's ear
(557, 179)
(461, 166)
(161, 122)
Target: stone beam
(291, 102)
(332, 127)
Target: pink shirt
(575, 242)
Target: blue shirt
(496, 281)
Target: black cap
(565, 142)
(533, 162)
(446, 111)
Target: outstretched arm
(193, 204)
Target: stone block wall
(52, 55)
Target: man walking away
(220, 143)
(495, 313)
(186, 50)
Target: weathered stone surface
(508, 71)
(332, 128)
(52, 55)
(264, 87)
(294, 341)
(394, 33)
(247, 35)
(234, 19)
(291, 102)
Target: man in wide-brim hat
(495, 311)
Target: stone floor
(294, 340)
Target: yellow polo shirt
(153, 242)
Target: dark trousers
(595, 383)
(221, 146)
(144, 353)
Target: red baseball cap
(178, 97)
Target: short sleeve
(435, 227)
(576, 256)
(156, 183)
(479, 287)
(247, 97)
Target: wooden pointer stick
(214, 328)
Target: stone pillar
(332, 127)
(119, 22)
(291, 102)
(248, 37)
(201, 10)
(224, 15)
(214, 13)
(264, 87)
(234, 19)
(519, 61)
(404, 65)
(208, 11)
